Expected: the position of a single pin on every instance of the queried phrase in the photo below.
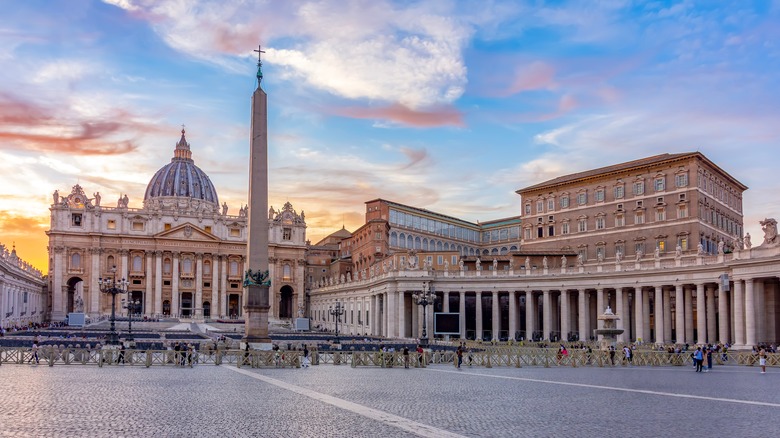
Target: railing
(488, 357)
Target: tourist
(35, 352)
(121, 358)
(628, 354)
(698, 359)
(471, 356)
(709, 358)
(406, 356)
(305, 356)
(762, 360)
(612, 354)
(459, 353)
(420, 353)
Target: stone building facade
(23, 292)
(182, 253)
(720, 292)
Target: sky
(446, 105)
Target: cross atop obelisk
(256, 278)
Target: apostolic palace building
(659, 240)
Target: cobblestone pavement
(339, 401)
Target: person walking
(305, 356)
(121, 358)
(628, 354)
(35, 352)
(459, 354)
(406, 356)
(698, 359)
(709, 357)
(762, 360)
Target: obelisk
(257, 301)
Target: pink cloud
(536, 76)
(440, 116)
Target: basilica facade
(23, 293)
(181, 252)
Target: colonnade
(742, 312)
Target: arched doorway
(136, 304)
(286, 302)
(75, 290)
(234, 302)
(206, 309)
(167, 308)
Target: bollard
(517, 364)
(51, 358)
(218, 359)
(488, 361)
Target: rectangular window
(440, 260)
(454, 260)
(167, 227)
(619, 192)
(565, 228)
(684, 243)
(582, 225)
(551, 230)
(599, 195)
(582, 198)
(235, 232)
(111, 224)
(550, 204)
(600, 223)
(75, 219)
(639, 247)
(527, 233)
(681, 180)
(207, 229)
(600, 252)
(527, 208)
(661, 246)
(138, 226)
(565, 202)
(682, 211)
(639, 218)
(659, 184)
(639, 188)
(166, 282)
(620, 220)
(539, 206)
(660, 215)
(540, 232)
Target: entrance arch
(286, 302)
(167, 308)
(75, 289)
(206, 309)
(186, 304)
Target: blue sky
(446, 105)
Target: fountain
(610, 331)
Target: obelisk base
(256, 317)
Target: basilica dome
(181, 178)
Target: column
(600, 308)
(375, 315)
(214, 311)
(658, 314)
(57, 313)
(462, 313)
(445, 307)
(679, 315)
(712, 337)
(761, 310)
(646, 315)
(392, 313)
(565, 316)
(620, 310)
(125, 267)
(723, 314)
(530, 315)
(582, 309)
(223, 272)
(175, 286)
(401, 314)
(512, 314)
(546, 315)
(479, 316)
(702, 314)
(93, 307)
(158, 281)
(688, 292)
(639, 314)
(739, 314)
(496, 316)
(667, 315)
(148, 297)
(197, 310)
(750, 313)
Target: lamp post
(113, 286)
(424, 298)
(337, 312)
(130, 306)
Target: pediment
(187, 232)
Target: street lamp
(424, 298)
(113, 286)
(130, 306)
(337, 312)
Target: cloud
(440, 116)
(536, 76)
(408, 54)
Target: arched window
(110, 261)
(446, 246)
(393, 239)
(233, 267)
(75, 261)
(167, 266)
(504, 251)
(137, 263)
(439, 246)
(286, 271)
(409, 242)
(425, 245)
(402, 240)
(417, 243)
(186, 266)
